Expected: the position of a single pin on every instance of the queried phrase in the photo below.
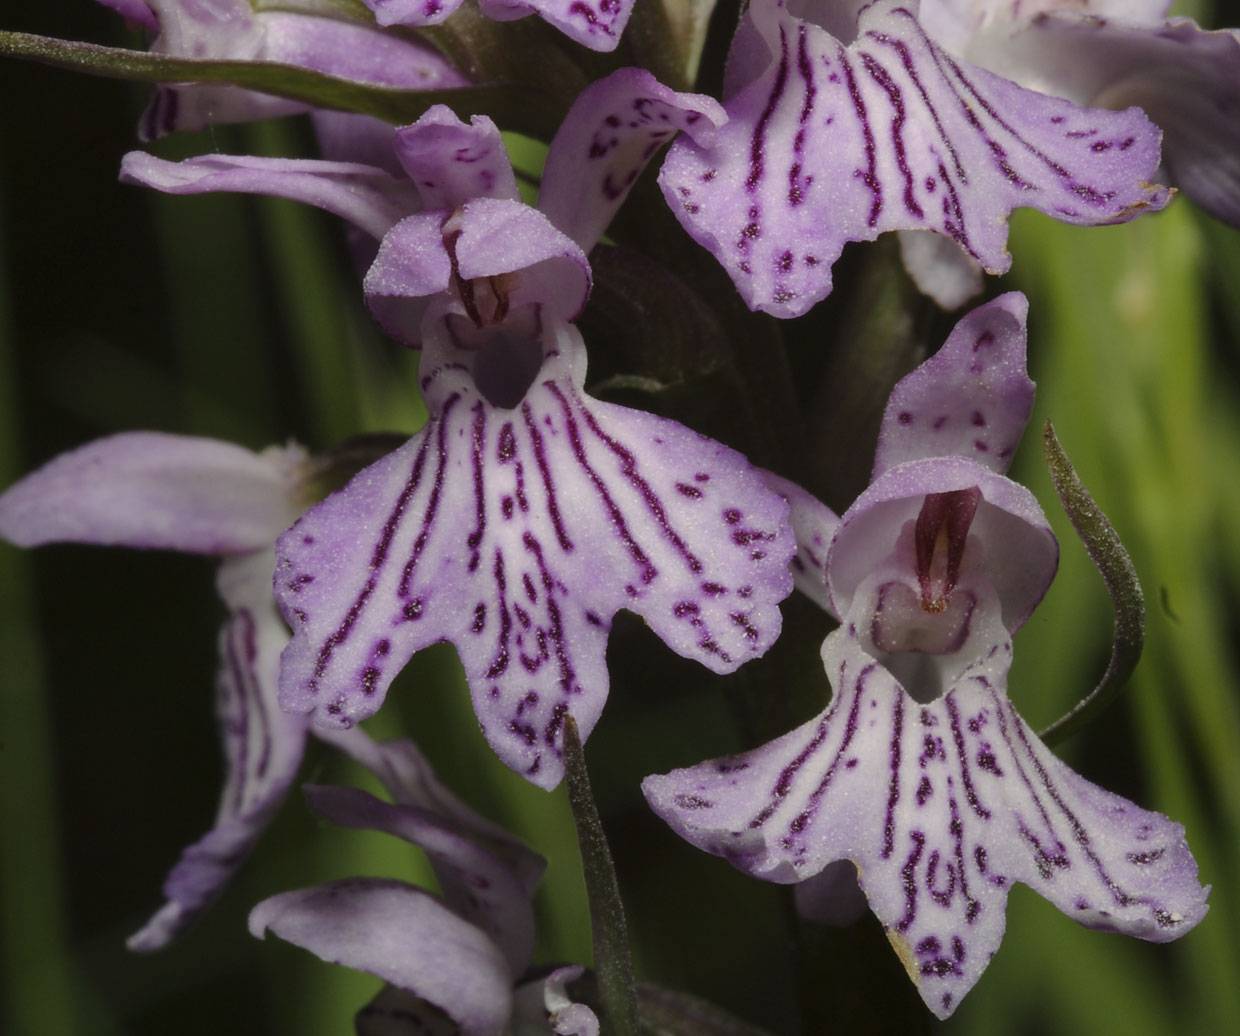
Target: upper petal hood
(972, 398)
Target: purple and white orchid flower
(849, 120)
(1115, 53)
(453, 964)
(169, 492)
(233, 30)
(920, 772)
(524, 514)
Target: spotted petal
(596, 24)
(814, 525)
(972, 398)
(942, 806)
(836, 143)
(1184, 78)
(451, 162)
(612, 130)
(403, 935)
(516, 529)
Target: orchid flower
(848, 120)
(1110, 54)
(169, 492)
(525, 513)
(920, 771)
(453, 964)
(232, 30)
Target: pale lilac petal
(149, 489)
(403, 935)
(954, 24)
(410, 269)
(516, 529)
(612, 130)
(835, 144)
(971, 398)
(397, 1012)
(367, 197)
(1187, 80)
(510, 246)
(499, 237)
(451, 162)
(476, 885)
(408, 777)
(263, 747)
(411, 12)
(349, 50)
(596, 24)
(940, 268)
(942, 806)
(1020, 551)
(814, 525)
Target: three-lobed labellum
(942, 805)
(835, 143)
(516, 534)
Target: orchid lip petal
(516, 533)
(942, 806)
(834, 144)
(403, 935)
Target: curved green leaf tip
(1105, 550)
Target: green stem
(613, 963)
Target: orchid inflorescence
(531, 507)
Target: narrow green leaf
(1106, 551)
(511, 105)
(613, 963)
